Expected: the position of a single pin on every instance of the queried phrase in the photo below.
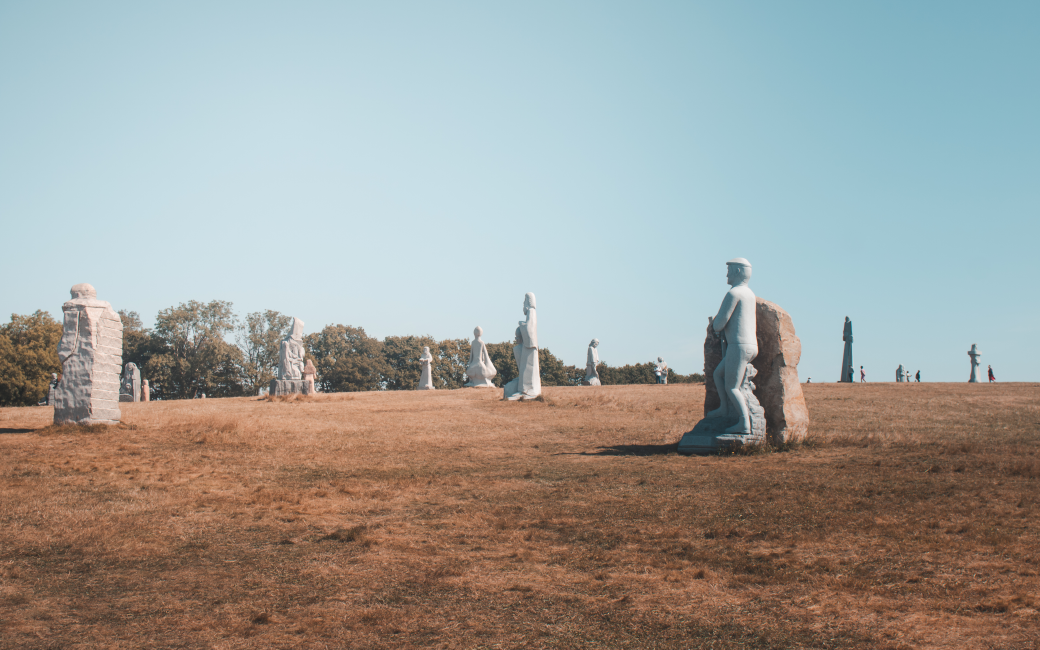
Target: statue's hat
(739, 260)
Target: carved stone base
(287, 387)
(709, 435)
(479, 382)
(591, 381)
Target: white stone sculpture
(740, 419)
(130, 386)
(308, 378)
(480, 370)
(974, 354)
(512, 387)
(290, 362)
(426, 377)
(661, 371)
(146, 392)
(899, 373)
(591, 373)
(529, 385)
(91, 353)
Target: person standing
(862, 375)
(989, 369)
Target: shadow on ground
(3, 431)
(628, 450)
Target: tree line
(188, 353)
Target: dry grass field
(451, 519)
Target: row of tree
(188, 353)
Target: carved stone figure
(49, 400)
(512, 387)
(91, 354)
(974, 354)
(290, 362)
(739, 419)
(661, 371)
(426, 377)
(899, 373)
(846, 360)
(146, 393)
(308, 378)
(480, 370)
(591, 373)
(530, 381)
(130, 387)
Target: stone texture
(709, 435)
(779, 392)
(846, 359)
(290, 353)
(480, 370)
(426, 376)
(130, 386)
(529, 381)
(974, 354)
(591, 373)
(308, 378)
(146, 392)
(286, 387)
(91, 354)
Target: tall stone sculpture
(779, 391)
(146, 392)
(661, 371)
(130, 386)
(529, 385)
(426, 376)
(974, 354)
(91, 353)
(846, 360)
(512, 386)
(899, 373)
(480, 370)
(591, 373)
(49, 401)
(308, 378)
(739, 419)
(290, 362)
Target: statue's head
(54, 375)
(83, 290)
(660, 359)
(595, 343)
(297, 329)
(846, 319)
(425, 350)
(738, 271)
(478, 331)
(529, 302)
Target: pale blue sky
(416, 167)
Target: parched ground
(451, 519)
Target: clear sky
(416, 167)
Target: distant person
(862, 375)
(808, 380)
(989, 369)
(918, 376)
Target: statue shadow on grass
(628, 450)
(3, 431)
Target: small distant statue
(130, 387)
(529, 385)
(846, 360)
(426, 377)
(290, 354)
(52, 386)
(91, 354)
(308, 378)
(899, 373)
(661, 368)
(146, 392)
(974, 354)
(480, 370)
(591, 372)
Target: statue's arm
(729, 305)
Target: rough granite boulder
(777, 386)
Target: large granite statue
(899, 373)
(846, 360)
(309, 373)
(661, 371)
(591, 373)
(512, 386)
(480, 370)
(290, 362)
(426, 376)
(529, 385)
(91, 353)
(52, 386)
(739, 419)
(146, 392)
(974, 354)
(130, 386)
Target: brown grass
(451, 519)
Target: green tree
(402, 361)
(346, 359)
(28, 356)
(555, 373)
(452, 357)
(505, 363)
(139, 345)
(192, 355)
(259, 338)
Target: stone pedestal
(709, 435)
(289, 386)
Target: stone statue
(974, 354)
(426, 378)
(290, 362)
(846, 360)
(661, 371)
(91, 353)
(146, 393)
(130, 387)
(512, 387)
(591, 373)
(739, 419)
(899, 373)
(530, 380)
(480, 370)
(308, 378)
(52, 386)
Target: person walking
(989, 369)
(918, 376)
(862, 375)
